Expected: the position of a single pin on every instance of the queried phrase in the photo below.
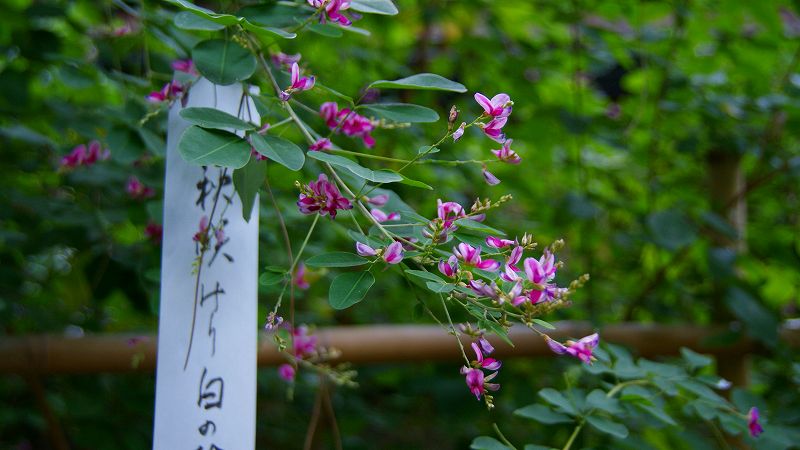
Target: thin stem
(453, 329)
(502, 437)
(312, 425)
(574, 435)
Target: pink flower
(321, 144)
(137, 190)
(449, 211)
(392, 254)
(287, 372)
(298, 83)
(498, 106)
(514, 257)
(477, 383)
(202, 230)
(494, 129)
(322, 196)
(582, 349)
(282, 59)
(303, 344)
(169, 92)
(542, 270)
(381, 216)
(333, 10)
(300, 277)
(484, 362)
(506, 154)
(481, 289)
(489, 177)
(496, 242)
(184, 65)
(471, 256)
(83, 156)
(378, 200)
(264, 128)
(449, 268)
(154, 232)
(752, 422)
(348, 122)
(486, 346)
(273, 321)
(459, 132)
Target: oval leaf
(487, 443)
(439, 288)
(203, 147)
(403, 112)
(223, 62)
(421, 81)
(542, 414)
(279, 150)
(336, 259)
(247, 181)
(349, 288)
(608, 427)
(385, 7)
(214, 118)
(377, 176)
(186, 20)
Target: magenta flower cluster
(323, 197)
(82, 155)
(348, 122)
(477, 381)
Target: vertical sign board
(206, 374)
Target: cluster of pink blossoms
(392, 254)
(348, 122)
(447, 213)
(298, 83)
(581, 349)
(137, 190)
(333, 11)
(478, 382)
(304, 345)
(82, 155)
(322, 196)
(169, 92)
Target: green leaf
(695, 360)
(186, 20)
(557, 399)
(279, 150)
(402, 112)
(377, 176)
(537, 447)
(222, 19)
(426, 149)
(266, 32)
(421, 81)
(608, 427)
(424, 275)
(385, 7)
(273, 275)
(336, 259)
(544, 324)
(597, 399)
(203, 147)
(349, 288)
(214, 118)
(247, 181)
(325, 29)
(487, 443)
(759, 322)
(415, 183)
(127, 146)
(439, 288)
(223, 62)
(470, 224)
(658, 413)
(344, 97)
(152, 141)
(671, 229)
(542, 414)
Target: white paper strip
(206, 394)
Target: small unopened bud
(527, 239)
(297, 184)
(557, 245)
(451, 119)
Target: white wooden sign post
(206, 374)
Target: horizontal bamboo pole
(47, 354)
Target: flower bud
(451, 120)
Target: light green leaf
(542, 414)
(421, 81)
(186, 20)
(223, 62)
(336, 259)
(247, 181)
(402, 112)
(266, 32)
(273, 275)
(279, 150)
(326, 29)
(349, 288)
(214, 118)
(557, 399)
(203, 147)
(470, 224)
(608, 427)
(385, 7)
(427, 150)
(544, 324)
(487, 443)
(424, 275)
(439, 288)
(415, 183)
(377, 176)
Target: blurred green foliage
(631, 117)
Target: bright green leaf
(377, 176)
(279, 150)
(214, 118)
(203, 147)
(247, 181)
(336, 259)
(186, 20)
(402, 112)
(223, 62)
(349, 288)
(421, 81)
